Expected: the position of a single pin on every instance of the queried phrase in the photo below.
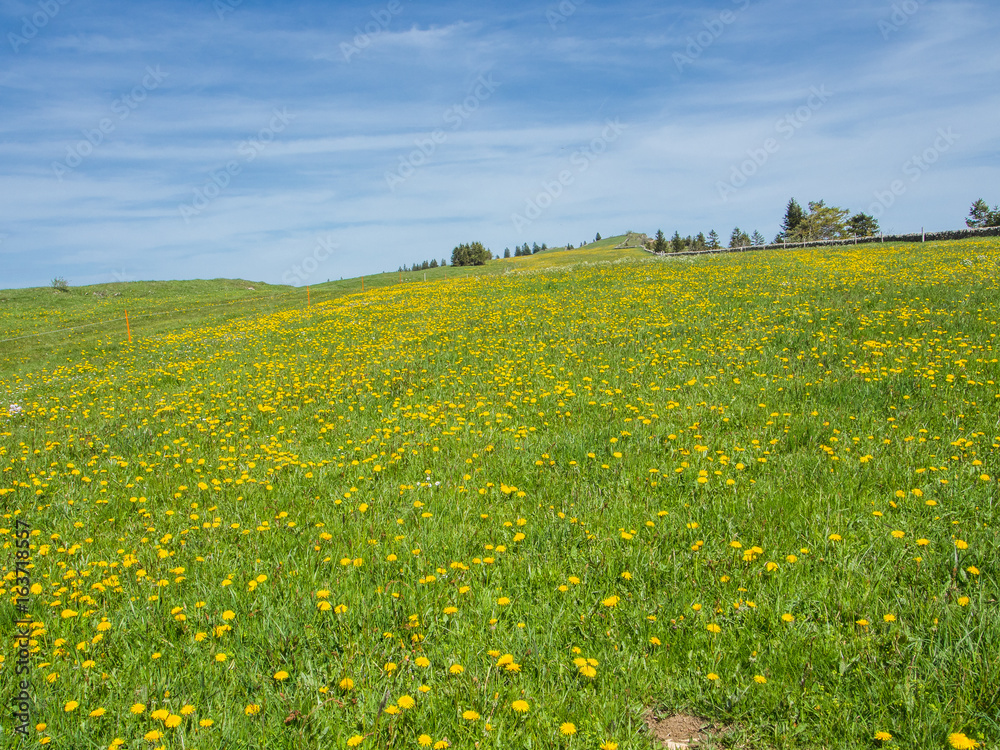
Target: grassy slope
(797, 364)
(41, 327)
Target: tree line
(819, 222)
(423, 265)
(520, 250)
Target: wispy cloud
(354, 120)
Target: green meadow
(536, 504)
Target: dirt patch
(678, 730)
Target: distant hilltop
(633, 239)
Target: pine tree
(758, 239)
(738, 238)
(863, 225)
(676, 243)
(981, 216)
(660, 242)
(597, 237)
(793, 217)
(713, 240)
(506, 252)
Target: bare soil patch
(679, 730)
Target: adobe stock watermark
(122, 107)
(581, 159)
(560, 14)
(786, 127)
(363, 36)
(915, 167)
(426, 146)
(300, 272)
(221, 178)
(33, 24)
(900, 15)
(223, 8)
(714, 28)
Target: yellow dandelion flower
(567, 728)
(960, 742)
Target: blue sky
(296, 142)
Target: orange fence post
(128, 328)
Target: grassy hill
(535, 504)
(41, 326)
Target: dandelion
(252, 709)
(424, 740)
(137, 708)
(712, 676)
(834, 537)
(281, 675)
(98, 713)
(422, 661)
(788, 617)
(883, 736)
(71, 706)
(406, 702)
(760, 679)
(456, 669)
(567, 729)
(963, 601)
(609, 745)
(346, 684)
(470, 715)
(173, 721)
(611, 601)
(152, 735)
(960, 742)
(713, 628)
(520, 706)
(889, 618)
(355, 740)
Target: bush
(60, 284)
